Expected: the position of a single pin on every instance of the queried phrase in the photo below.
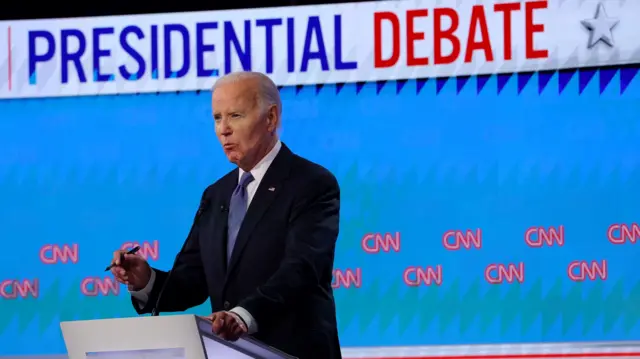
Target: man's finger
(218, 324)
(120, 279)
(117, 257)
(208, 317)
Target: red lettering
(440, 34)
(579, 271)
(507, 9)
(623, 233)
(478, 22)
(416, 276)
(499, 273)
(13, 289)
(93, 287)
(539, 236)
(374, 243)
(54, 254)
(531, 29)
(378, 18)
(413, 36)
(455, 240)
(147, 250)
(347, 278)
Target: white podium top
(165, 337)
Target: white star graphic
(600, 27)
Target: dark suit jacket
(281, 267)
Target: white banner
(313, 44)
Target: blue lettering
(268, 39)
(98, 53)
(201, 48)
(67, 56)
(34, 58)
(314, 30)
(164, 51)
(169, 73)
(154, 52)
(230, 38)
(132, 52)
(291, 49)
(337, 31)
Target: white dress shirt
(258, 172)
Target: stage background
(496, 153)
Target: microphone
(204, 204)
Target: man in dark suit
(262, 244)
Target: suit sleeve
(187, 286)
(309, 252)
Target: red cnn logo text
(455, 240)
(580, 271)
(347, 278)
(499, 273)
(54, 254)
(13, 288)
(147, 250)
(622, 233)
(377, 242)
(417, 276)
(94, 286)
(540, 236)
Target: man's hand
(227, 325)
(130, 269)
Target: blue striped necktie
(237, 210)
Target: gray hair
(267, 92)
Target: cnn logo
(94, 286)
(14, 289)
(500, 273)
(418, 276)
(455, 240)
(580, 271)
(537, 237)
(148, 250)
(378, 242)
(347, 278)
(54, 254)
(623, 233)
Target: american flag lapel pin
(272, 189)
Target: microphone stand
(203, 206)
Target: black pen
(132, 251)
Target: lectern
(166, 337)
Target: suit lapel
(267, 191)
(229, 183)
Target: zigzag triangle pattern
(605, 77)
(581, 305)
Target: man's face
(242, 127)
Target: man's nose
(225, 129)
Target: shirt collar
(261, 168)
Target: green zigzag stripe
(455, 306)
(56, 304)
(451, 305)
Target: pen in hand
(132, 251)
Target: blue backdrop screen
(508, 205)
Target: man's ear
(273, 120)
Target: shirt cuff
(252, 326)
(142, 295)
